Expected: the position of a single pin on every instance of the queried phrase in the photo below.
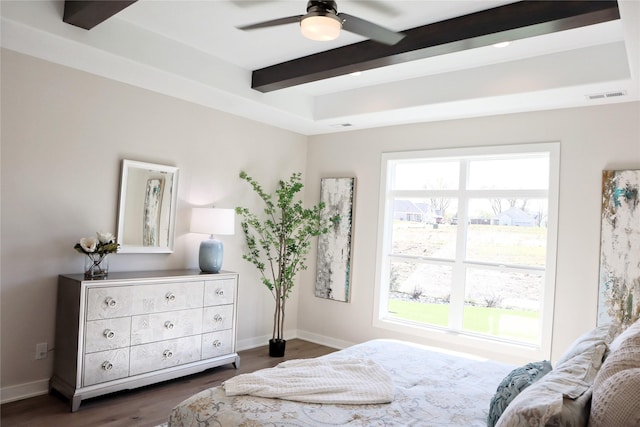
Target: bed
(596, 382)
(431, 387)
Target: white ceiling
(192, 50)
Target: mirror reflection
(146, 218)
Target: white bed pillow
(562, 397)
(634, 329)
(616, 389)
(598, 335)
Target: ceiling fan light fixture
(321, 27)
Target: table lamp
(212, 221)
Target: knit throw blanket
(333, 381)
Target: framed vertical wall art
(619, 287)
(152, 203)
(333, 266)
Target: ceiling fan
(323, 22)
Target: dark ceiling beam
(504, 23)
(89, 13)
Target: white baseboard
(40, 387)
(322, 339)
(253, 342)
(24, 391)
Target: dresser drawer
(105, 303)
(220, 291)
(217, 343)
(164, 354)
(105, 366)
(217, 318)
(167, 296)
(119, 301)
(167, 325)
(107, 334)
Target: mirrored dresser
(137, 328)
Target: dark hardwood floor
(147, 406)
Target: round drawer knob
(217, 344)
(168, 324)
(167, 354)
(107, 366)
(110, 302)
(220, 292)
(217, 318)
(170, 296)
(109, 334)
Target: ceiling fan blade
(272, 23)
(370, 30)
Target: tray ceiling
(192, 50)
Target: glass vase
(96, 266)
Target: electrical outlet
(41, 350)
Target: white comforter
(335, 381)
(432, 388)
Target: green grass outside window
(500, 322)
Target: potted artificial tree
(279, 243)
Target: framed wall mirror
(147, 211)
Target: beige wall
(64, 135)
(65, 132)
(591, 139)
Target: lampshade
(212, 221)
(321, 28)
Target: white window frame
(454, 335)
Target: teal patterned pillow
(517, 380)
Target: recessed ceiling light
(355, 73)
(501, 44)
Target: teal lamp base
(210, 256)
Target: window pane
(527, 171)
(425, 227)
(420, 292)
(511, 232)
(464, 243)
(503, 304)
(426, 175)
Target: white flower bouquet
(96, 249)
